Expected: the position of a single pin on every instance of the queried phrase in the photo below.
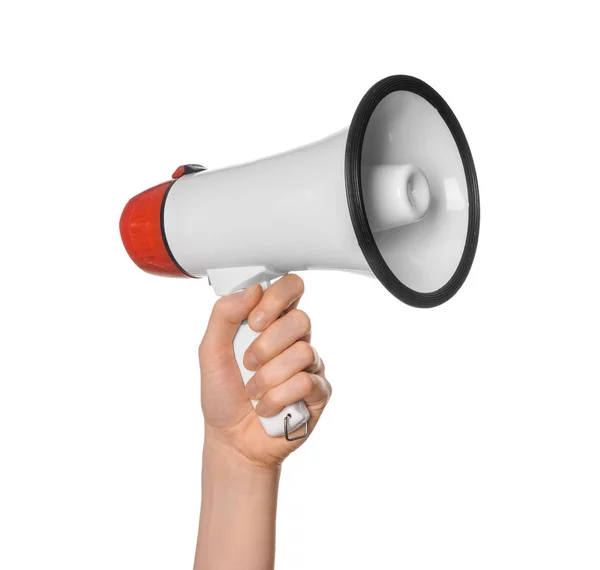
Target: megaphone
(394, 196)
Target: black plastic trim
(192, 168)
(358, 214)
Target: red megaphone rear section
(142, 233)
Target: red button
(187, 169)
(179, 172)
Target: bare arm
(241, 463)
(237, 520)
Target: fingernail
(257, 321)
(250, 361)
(251, 390)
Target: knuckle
(301, 320)
(305, 353)
(206, 348)
(204, 355)
(328, 388)
(261, 381)
(269, 401)
(306, 382)
(221, 306)
(260, 350)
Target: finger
(293, 306)
(302, 386)
(275, 300)
(298, 357)
(280, 335)
(226, 316)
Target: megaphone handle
(291, 417)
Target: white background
(462, 437)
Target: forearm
(237, 518)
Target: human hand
(288, 369)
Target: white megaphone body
(395, 196)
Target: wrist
(228, 458)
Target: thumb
(225, 319)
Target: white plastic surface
(287, 211)
(397, 195)
(226, 281)
(290, 210)
(407, 129)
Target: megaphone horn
(394, 195)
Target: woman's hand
(287, 369)
(241, 463)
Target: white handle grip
(275, 425)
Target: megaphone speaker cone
(402, 125)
